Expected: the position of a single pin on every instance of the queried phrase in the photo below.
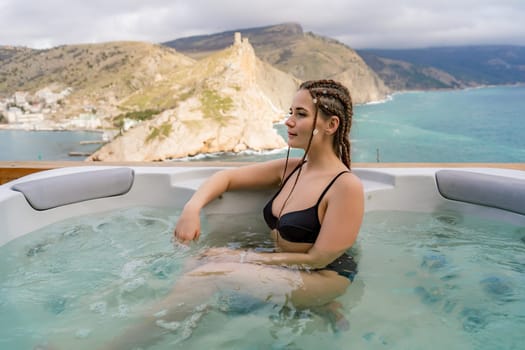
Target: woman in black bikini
(314, 218)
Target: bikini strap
(330, 185)
(285, 181)
(290, 175)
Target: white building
(20, 98)
(50, 98)
(12, 114)
(30, 118)
(86, 121)
(3, 107)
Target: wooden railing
(13, 170)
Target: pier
(93, 142)
(79, 154)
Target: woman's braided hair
(333, 99)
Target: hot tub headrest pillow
(502, 192)
(56, 191)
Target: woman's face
(300, 120)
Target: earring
(315, 132)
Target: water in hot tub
(425, 281)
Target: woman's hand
(188, 226)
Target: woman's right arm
(258, 175)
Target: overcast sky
(357, 23)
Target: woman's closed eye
(298, 114)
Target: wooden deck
(14, 170)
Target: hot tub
(46, 197)
(448, 194)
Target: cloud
(358, 23)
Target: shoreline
(391, 96)
(19, 128)
(366, 149)
(388, 98)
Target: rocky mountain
(447, 67)
(100, 76)
(170, 105)
(166, 104)
(218, 92)
(7, 52)
(303, 55)
(273, 36)
(225, 102)
(402, 75)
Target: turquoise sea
(45, 145)
(473, 125)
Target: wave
(222, 155)
(388, 98)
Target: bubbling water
(444, 279)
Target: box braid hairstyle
(333, 99)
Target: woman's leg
(332, 313)
(327, 285)
(192, 293)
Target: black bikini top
(301, 226)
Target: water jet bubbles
(191, 322)
(474, 320)
(56, 304)
(99, 227)
(434, 261)
(122, 312)
(131, 268)
(146, 222)
(448, 218)
(99, 307)
(497, 287)
(449, 306)
(72, 232)
(521, 233)
(160, 313)
(82, 333)
(429, 296)
(163, 267)
(239, 303)
(37, 249)
(170, 326)
(133, 285)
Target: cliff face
(226, 102)
(309, 56)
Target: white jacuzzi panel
(407, 189)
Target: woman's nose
(289, 120)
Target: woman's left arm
(339, 229)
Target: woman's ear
(333, 124)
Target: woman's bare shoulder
(349, 183)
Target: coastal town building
(34, 112)
(15, 115)
(85, 121)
